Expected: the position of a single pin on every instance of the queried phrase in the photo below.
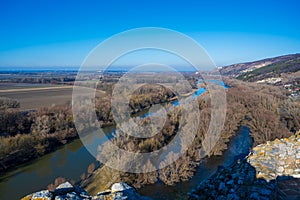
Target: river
(238, 147)
(71, 160)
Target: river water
(72, 160)
(69, 161)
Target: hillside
(262, 69)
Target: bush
(6, 103)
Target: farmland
(31, 98)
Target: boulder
(122, 191)
(63, 188)
(70, 196)
(42, 195)
(121, 187)
(66, 191)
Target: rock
(64, 188)
(254, 177)
(69, 196)
(80, 191)
(122, 191)
(28, 197)
(282, 155)
(265, 192)
(281, 162)
(194, 196)
(120, 187)
(289, 171)
(222, 187)
(231, 182)
(280, 169)
(66, 191)
(296, 175)
(254, 196)
(233, 197)
(279, 158)
(42, 195)
(240, 181)
(106, 192)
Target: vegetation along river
(73, 159)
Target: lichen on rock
(277, 158)
(263, 174)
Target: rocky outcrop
(277, 158)
(66, 191)
(264, 174)
(235, 182)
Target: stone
(80, 191)
(265, 192)
(222, 187)
(280, 169)
(231, 182)
(28, 197)
(296, 175)
(274, 151)
(279, 158)
(63, 188)
(120, 187)
(291, 152)
(256, 176)
(233, 197)
(68, 192)
(289, 171)
(69, 196)
(254, 196)
(42, 195)
(240, 181)
(282, 155)
(106, 192)
(281, 162)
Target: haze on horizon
(59, 35)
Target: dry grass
(102, 179)
(35, 98)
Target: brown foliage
(264, 109)
(57, 182)
(91, 168)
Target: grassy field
(33, 98)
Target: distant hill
(262, 69)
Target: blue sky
(53, 33)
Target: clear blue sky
(61, 33)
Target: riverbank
(47, 121)
(23, 156)
(238, 146)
